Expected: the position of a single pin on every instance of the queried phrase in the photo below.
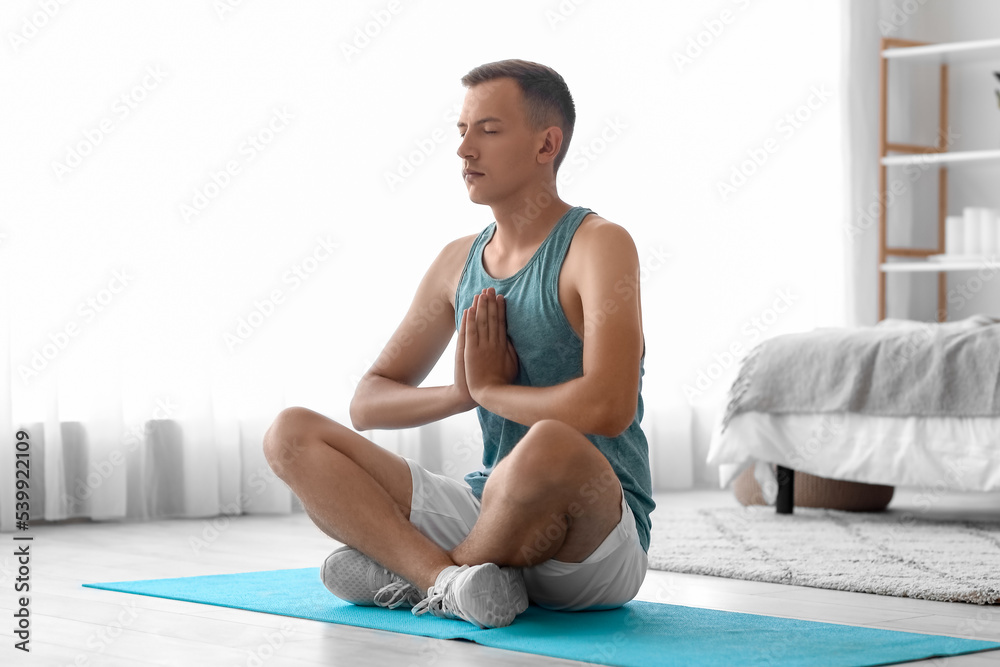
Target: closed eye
(486, 131)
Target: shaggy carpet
(888, 553)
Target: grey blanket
(897, 368)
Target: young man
(550, 352)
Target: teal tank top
(550, 353)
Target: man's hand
(490, 358)
(461, 385)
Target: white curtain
(860, 75)
(908, 295)
(211, 211)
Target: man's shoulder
(451, 260)
(596, 224)
(462, 243)
(457, 251)
(600, 235)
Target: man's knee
(285, 438)
(546, 451)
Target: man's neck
(523, 227)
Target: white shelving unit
(941, 158)
(924, 265)
(900, 50)
(948, 53)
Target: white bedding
(932, 453)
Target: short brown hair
(546, 96)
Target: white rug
(888, 553)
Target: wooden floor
(72, 625)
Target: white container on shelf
(989, 232)
(972, 225)
(954, 235)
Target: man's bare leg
(554, 496)
(335, 472)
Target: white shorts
(445, 510)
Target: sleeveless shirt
(550, 352)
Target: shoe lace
(394, 594)
(436, 603)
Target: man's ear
(551, 144)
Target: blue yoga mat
(640, 633)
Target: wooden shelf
(929, 266)
(950, 53)
(941, 158)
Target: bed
(902, 403)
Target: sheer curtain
(865, 24)
(213, 211)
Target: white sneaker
(485, 595)
(354, 577)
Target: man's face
(502, 148)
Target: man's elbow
(618, 418)
(356, 409)
(355, 412)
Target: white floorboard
(72, 625)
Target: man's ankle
(437, 576)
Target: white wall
(654, 141)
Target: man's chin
(477, 198)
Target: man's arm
(603, 401)
(388, 395)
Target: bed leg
(786, 490)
